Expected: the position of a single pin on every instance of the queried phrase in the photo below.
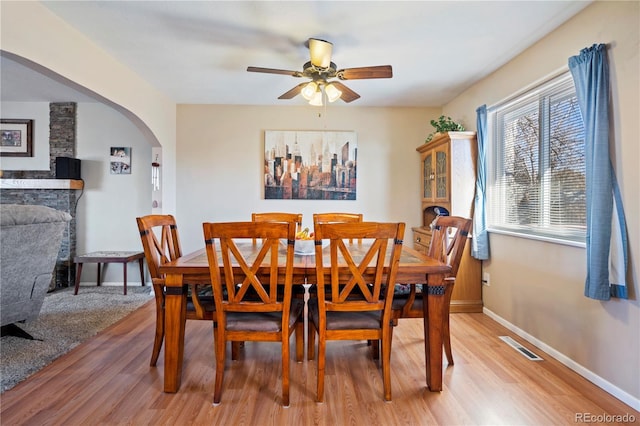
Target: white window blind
(536, 176)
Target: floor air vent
(517, 346)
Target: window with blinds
(536, 179)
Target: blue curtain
(606, 227)
(480, 240)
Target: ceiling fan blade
(380, 71)
(320, 52)
(275, 71)
(348, 95)
(293, 92)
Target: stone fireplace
(42, 188)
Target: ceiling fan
(321, 70)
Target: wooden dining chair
(273, 315)
(274, 217)
(448, 238)
(336, 218)
(161, 243)
(341, 217)
(278, 217)
(367, 271)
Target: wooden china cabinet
(448, 174)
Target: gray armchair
(30, 238)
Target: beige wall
(538, 286)
(109, 204)
(221, 153)
(33, 33)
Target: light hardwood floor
(107, 380)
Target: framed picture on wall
(310, 165)
(120, 160)
(17, 138)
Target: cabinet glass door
(441, 175)
(427, 177)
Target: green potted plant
(444, 124)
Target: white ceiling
(198, 51)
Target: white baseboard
(608, 387)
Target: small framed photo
(120, 160)
(17, 138)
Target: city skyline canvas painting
(310, 165)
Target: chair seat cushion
(204, 291)
(346, 320)
(313, 291)
(207, 302)
(398, 302)
(405, 289)
(263, 321)
(401, 293)
(296, 290)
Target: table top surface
(109, 256)
(412, 267)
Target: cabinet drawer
(421, 240)
(420, 247)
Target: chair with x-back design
(278, 217)
(448, 238)
(355, 289)
(333, 217)
(249, 305)
(161, 243)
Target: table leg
(78, 273)
(433, 306)
(124, 265)
(98, 281)
(141, 262)
(175, 316)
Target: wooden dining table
(414, 268)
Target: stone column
(62, 143)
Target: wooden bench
(105, 257)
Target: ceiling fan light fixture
(321, 72)
(316, 100)
(309, 90)
(333, 93)
(320, 52)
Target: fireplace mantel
(41, 184)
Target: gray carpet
(64, 322)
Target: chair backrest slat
(276, 217)
(252, 276)
(448, 238)
(160, 240)
(335, 217)
(360, 276)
